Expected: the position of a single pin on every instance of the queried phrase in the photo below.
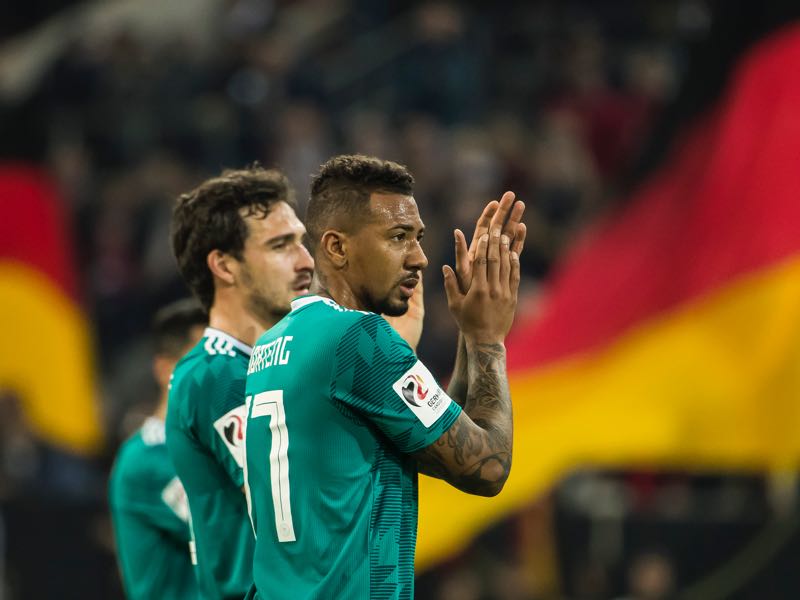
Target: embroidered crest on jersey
(174, 496)
(420, 392)
(230, 428)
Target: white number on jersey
(270, 404)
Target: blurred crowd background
(128, 103)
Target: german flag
(45, 358)
(670, 337)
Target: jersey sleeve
(221, 426)
(377, 375)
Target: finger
(503, 210)
(463, 261)
(451, 286)
(416, 304)
(482, 225)
(479, 265)
(514, 219)
(505, 260)
(513, 282)
(519, 239)
(493, 256)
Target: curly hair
(212, 217)
(341, 190)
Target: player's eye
(399, 237)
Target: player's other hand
(482, 290)
(409, 325)
(508, 214)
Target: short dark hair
(211, 217)
(172, 326)
(343, 187)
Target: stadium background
(655, 358)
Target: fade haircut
(172, 326)
(341, 190)
(211, 217)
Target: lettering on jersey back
(274, 353)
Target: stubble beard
(390, 308)
(265, 309)
(259, 304)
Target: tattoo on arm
(459, 385)
(481, 454)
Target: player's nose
(305, 261)
(416, 258)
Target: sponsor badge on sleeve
(420, 392)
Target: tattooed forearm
(459, 385)
(488, 404)
(430, 464)
(487, 476)
(475, 472)
(488, 400)
(474, 455)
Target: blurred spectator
(651, 576)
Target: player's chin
(395, 307)
(298, 291)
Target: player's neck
(340, 292)
(230, 316)
(161, 410)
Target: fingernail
(514, 255)
(495, 232)
(504, 240)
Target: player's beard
(260, 304)
(391, 307)
(394, 303)
(264, 309)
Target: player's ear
(334, 246)
(220, 264)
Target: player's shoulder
(127, 454)
(143, 455)
(216, 359)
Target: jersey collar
(302, 301)
(212, 332)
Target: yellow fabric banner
(714, 384)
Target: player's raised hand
(484, 309)
(409, 325)
(506, 214)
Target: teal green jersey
(337, 401)
(151, 519)
(205, 437)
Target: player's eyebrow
(406, 227)
(287, 237)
